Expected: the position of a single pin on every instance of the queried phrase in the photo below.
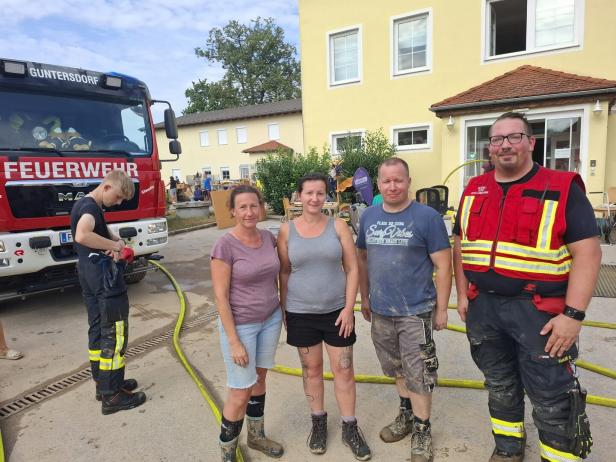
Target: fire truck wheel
(134, 278)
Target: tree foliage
(278, 173)
(260, 67)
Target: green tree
(278, 173)
(373, 149)
(260, 67)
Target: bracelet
(572, 313)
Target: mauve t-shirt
(253, 294)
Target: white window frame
(204, 138)
(222, 177)
(329, 57)
(238, 130)
(583, 111)
(271, 126)
(220, 131)
(246, 166)
(578, 25)
(427, 146)
(393, 43)
(207, 168)
(177, 172)
(343, 134)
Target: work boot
(421, 443)
(502, 456)
(128, 385)
(122, 401)
(317, 439)
(399, 428)
(353, 437)
(257, 439)
(228, 450)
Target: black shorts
(305, 330)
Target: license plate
(66, 237)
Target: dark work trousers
(106, 300)
(506, 345)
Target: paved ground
(176, 424)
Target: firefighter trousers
(107, 308)
(506, 345)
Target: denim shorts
(260, 340)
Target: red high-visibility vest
(519, 235)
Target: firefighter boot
(122, 401)
(128, 385)
(399, 428)
(228, 450)
(502, 456)
(257, 439)
(421, 442)
(317, 439)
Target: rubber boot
(228, 450)
(257, 439)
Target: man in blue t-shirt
(207, 186)
(400, 243)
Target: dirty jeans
(506, 345)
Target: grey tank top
(317, 282)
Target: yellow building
(434, 74)
(227, 143)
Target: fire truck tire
(134, 278)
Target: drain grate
(22, 403)
(606, 283)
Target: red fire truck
(61, 131)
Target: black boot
(317, 439)
(122, 401)
(128, 385)
(353, 437)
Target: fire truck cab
(61, 131)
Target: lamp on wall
(597, 109)
(451, 122)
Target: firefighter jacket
(519, 234)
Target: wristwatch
(578, 315)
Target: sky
(152, 40)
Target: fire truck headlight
(5, 262)
(159, 227)
(2, 248)
(39, 133)
(157, 241)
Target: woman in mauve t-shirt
(245, 267)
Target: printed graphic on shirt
(389, 233)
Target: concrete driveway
(176, 425)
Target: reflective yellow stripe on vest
(502, 427)
(466, 209)
(516, 264)
(548, 217)
(94, 355)
(554, 455)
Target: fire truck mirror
(175, 147)
(171, 127)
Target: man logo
(68, 197)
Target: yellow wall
(381, 101)
(194, 156)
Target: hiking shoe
(421, 443)
(317, 439)
(128, 385)
(502, 456)
(399, 428)
(121, 401)
(353, 437)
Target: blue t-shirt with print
(399, 265)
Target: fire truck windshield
(73, 124)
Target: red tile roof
(524, 82)
(270, 146)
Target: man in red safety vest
(526, 258)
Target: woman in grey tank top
(319, 278)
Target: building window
(204, 138)
(244, 172)
(225, 173)
(242, 135)
(411, 39)
(273, 131)
(222, 135)
(524, 26)
(344, 57)
(412, 137)
(206, 171)
(346, 141)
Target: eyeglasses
(513, 138)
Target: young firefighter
(106, 299)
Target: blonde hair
(120, 179)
